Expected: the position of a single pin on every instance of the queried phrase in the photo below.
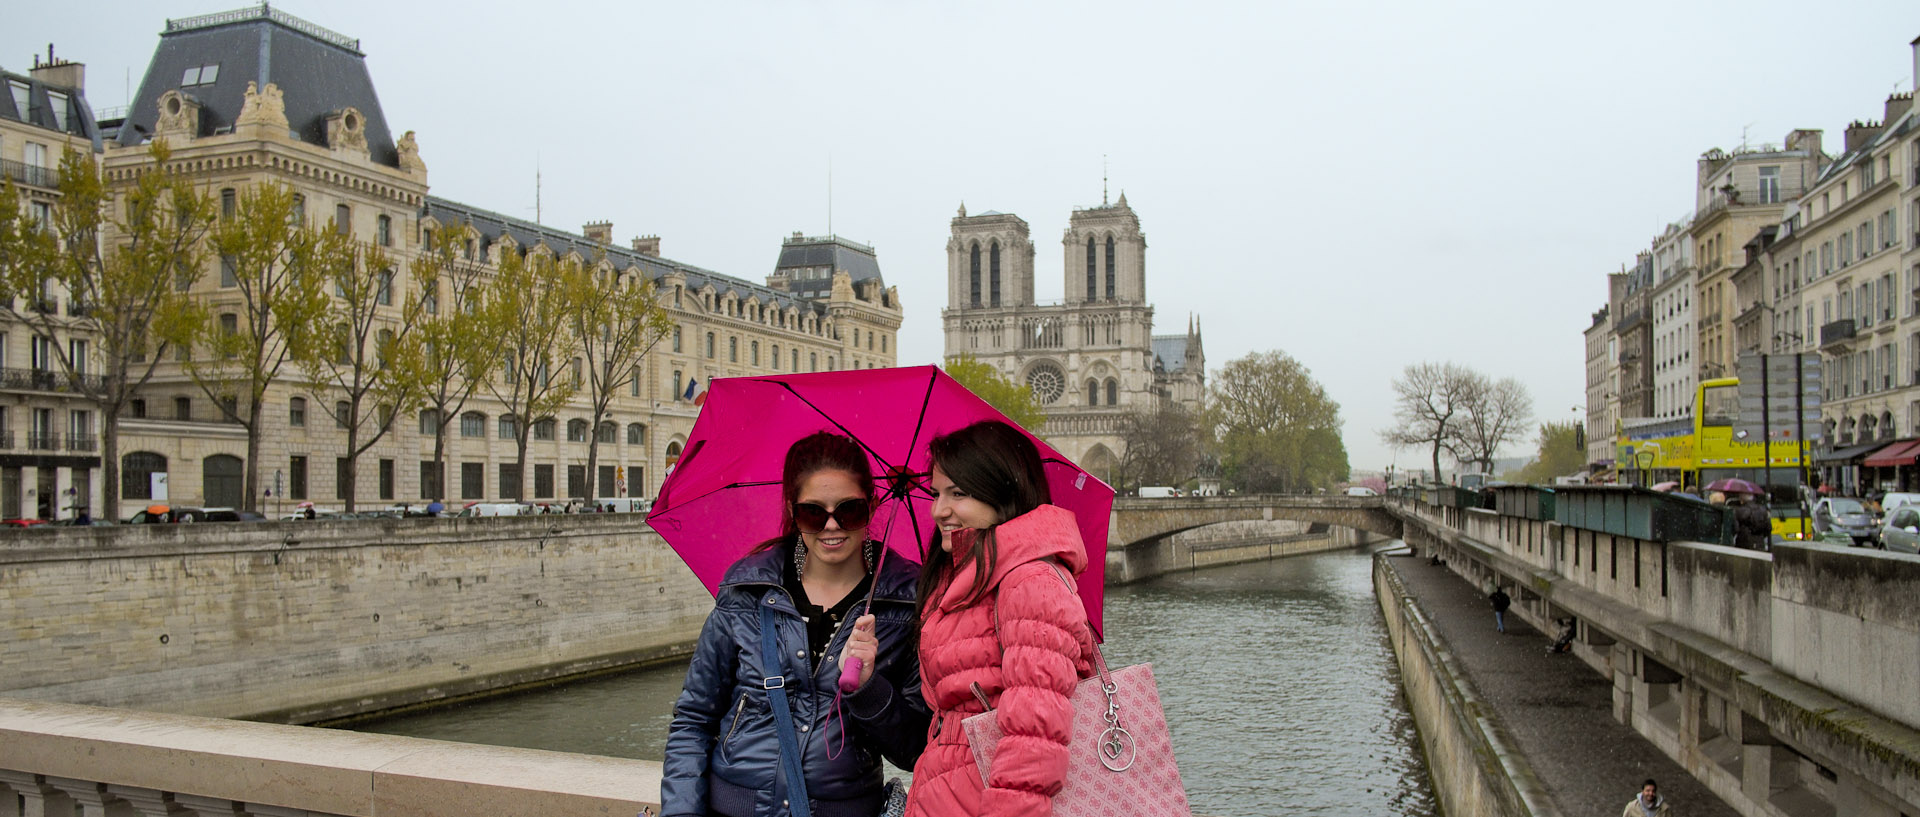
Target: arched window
(473, 424)
(136, 474)
(1886, 425)
(385, 293)
(608, 432)
(994, 272)
(1093, 392)
(576, 430)
(1109, 268)
(1113, 392)
(636, 434)
(1093, 283)
(973, 274)
(509, 429)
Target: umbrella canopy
(307, 504)
(1734, 485)
(723, 496)
(157, 509)
(435, 507)
(1663, 487)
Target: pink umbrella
(723, 496)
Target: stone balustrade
(66, 759)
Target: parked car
(1361, 490)
(1849, 515)
(1901, 532)
(23, 523)
(163, 514)
(496, 509)
(1896, 499)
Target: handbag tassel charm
(1116, 743)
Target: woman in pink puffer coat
(997, 546)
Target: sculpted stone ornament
(347, 130)
(179, 115)
(263, 107)
(410, 154)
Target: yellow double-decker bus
(1697, 450)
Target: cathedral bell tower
(989, 261)
(1106, 255)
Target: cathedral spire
(963, 208)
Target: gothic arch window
(973, 275)
(1093, 282)
(1109, 268)
(1093, 392)
(994, 272)
(1113, 392)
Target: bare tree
(1497, 414)
(1431, 401)
(1163, 446)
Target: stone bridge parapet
(1143, 520)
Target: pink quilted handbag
(1120, 758)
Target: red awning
(1894, 454)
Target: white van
(1150, 491)
(495, 509)
(625, 504)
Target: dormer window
(58, 102)
(200, 75)
(22, 99)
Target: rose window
(1047, 383)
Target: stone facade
(1673, 290)
(1092, 358)
(49, 443)
(313, 124)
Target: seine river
(1277, 679)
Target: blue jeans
(1500, 620)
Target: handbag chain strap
(1116, 745)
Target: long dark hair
(998, 465)
(816, 452)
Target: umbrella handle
(850, 675)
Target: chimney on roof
(647, 245)
(1860, 133)
(598, 232)
(60, 73)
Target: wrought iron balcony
(6, 439)
(42, 442)
(31, 175)
(53, 381)
(1837, 332)
(83, 442)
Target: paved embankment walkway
(1558, 709)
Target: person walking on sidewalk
(1501, 601)
(1648, 803)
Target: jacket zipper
(739, 714)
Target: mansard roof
(319, 73)
(832, 252)
(40, 111)
(491, 226)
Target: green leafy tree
(1012, 399)
(364, 329)
(1560, 454)
(531, 312)
(123, 280)
(1278, 429)
(1431, 401)
(617, 320)
(454, 349)
(1163, 446)
(270, 316)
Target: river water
(1277, 680)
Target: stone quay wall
(1782, 680)
(1228, 543)
(302, 622)
(1477, 768)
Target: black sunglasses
(852, 514)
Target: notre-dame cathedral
(1091, 358)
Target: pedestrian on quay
(1501, 601)
(1752, 524)
(1648, 803)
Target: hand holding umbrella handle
(850, 674)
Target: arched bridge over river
(1139, 521)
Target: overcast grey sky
(1361, 185)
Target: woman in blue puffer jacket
(723, 751)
